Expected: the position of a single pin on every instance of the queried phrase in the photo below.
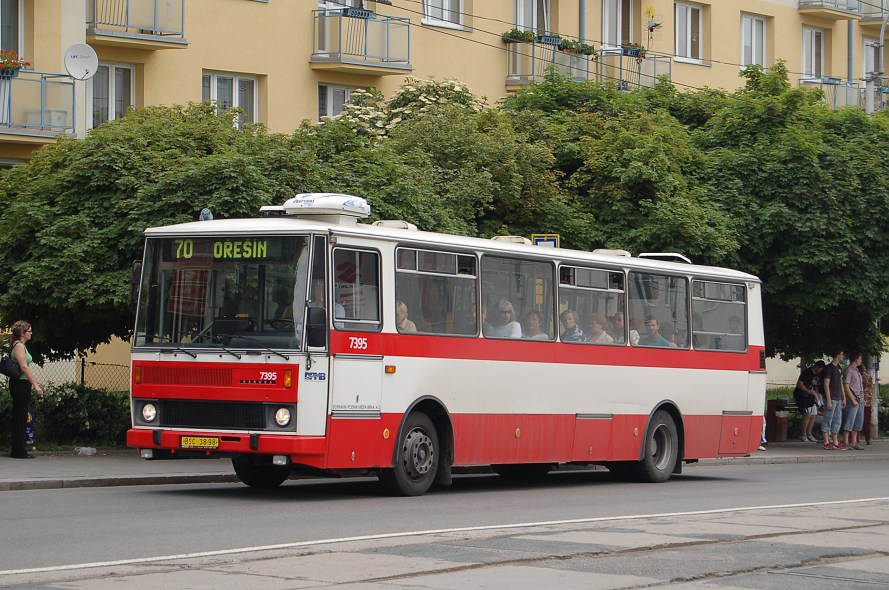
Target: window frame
(531, 22)
(608, 290)
(346, 324)
(813, 53)
(621, 25)
(112, 92)
(430, 5)
(685, 53)
(329, 89)
(19, 28)
(732, 288)
(489, 287)
(759, 44)
(631, 310)
(456, 273)
(236, 78)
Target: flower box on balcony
(9, 72)
(518, 36)
(358, 13)
(576, 47)
(549, 39)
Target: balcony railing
(851, 7)
(530, 61)
(149, 20)
(629, 72)
(39, 103)
(874, 10)
(362, 38)
(881, 95)
(838, 93)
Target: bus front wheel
(416, 458)
(259, 476)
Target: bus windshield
(221, 292)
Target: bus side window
(356, 290)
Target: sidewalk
(125, 468)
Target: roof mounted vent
(330, 207)
(512, 239)
(612, 252)
(395, 223)
(666, 257)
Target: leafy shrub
(70, 413)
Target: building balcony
(630, 72)
(137, 24)
(873, 12)
(881, 95)
(360, 41)
(529, 61)
(838, 93)
(832, 9)
(36, 107)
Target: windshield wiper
(218, 339)
(255, 341)
(175, 346)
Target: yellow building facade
(285, 61)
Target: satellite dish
(81, 61)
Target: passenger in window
(618, 329)
(669, 334)
(734, 340)
(653, 337)
(533, 321)
(504, 326)
(572, 332)
(596, 333)
(318, 301)
(401, 322)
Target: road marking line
(202, 554)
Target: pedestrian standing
(853, 413)
(20, 388)
(868, 382)
(834, 402)
(806, 397)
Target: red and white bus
(280, 342)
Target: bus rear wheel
(259, 476)
(661, 450)
(416, 458)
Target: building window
(331, 100)
(447, 12)
(689, 31)
(616, 22)
(113, 92)
(10, 24)
(532, 15)
(231, 91)
(813, 52)
(753, 40)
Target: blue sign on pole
(548, 240)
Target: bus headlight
(282, 417)
(149, 412)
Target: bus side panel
(482, 439)
(627, 434)
(362, 443)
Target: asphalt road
(53, 529)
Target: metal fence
(89, 374)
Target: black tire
(416, 458)
(522, 471)
(259, 476)
(661, 450)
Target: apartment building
(285, 61)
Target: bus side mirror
(135, 279)
(316, 327)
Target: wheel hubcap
(660, 447)
(419, 453)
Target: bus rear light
(137, 375)
(288, 379)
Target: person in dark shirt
(834, 402)
(806, 397)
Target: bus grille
(210, 414)
(221, 377)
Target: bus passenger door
(357, 387)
